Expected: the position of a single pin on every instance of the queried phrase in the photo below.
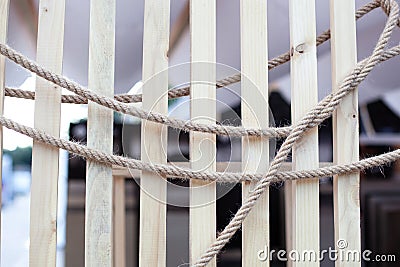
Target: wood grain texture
(99, 184)
(304, 95)
(119, 253)
(255, 113)
(4, 8)
(345, 128)
(153, 195)
(202, 228)
(45, 159)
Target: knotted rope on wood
(312, 119)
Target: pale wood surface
(221, 167)
(202, 228)
(345, 128)
(43, 205)
(152, 238)
(119, 221)
(305, 194)
(99, 184)
(4, 5)
(255, 113)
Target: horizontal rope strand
(185, 91)
(323, 110)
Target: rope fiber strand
(324, 108)
(293, 134)
(184, 91)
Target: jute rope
(312, 119)
(84, 94)
(360, 73)
(184, 91)
(119, 104)
(135, 111)
(185, 173)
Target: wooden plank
(345, 128)
(4, 8)
(221, 167)
(202, 228)
(119, 221)
(99, 184)
(153, 196)
(255, 113)
(304, 95)
(43, 205)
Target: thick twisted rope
(187, 126)
(313, 118)
(135, 111)
(324, 108)
(187, 174)
(184, 91)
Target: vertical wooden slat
(99, 185)
(202, 229)
(345, 128)
(43, 206)
(119, 221)
(304, 94)
(4, 7)
(152, 240)
(255, 111)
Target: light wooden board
(202, 228)
(119, 221)
(153, 194)
(345, 128)
(99, 184)
(255, 113)
(304, 95)
(43, 205)
(4, 5)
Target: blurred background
(379, 111)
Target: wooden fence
(105, 223)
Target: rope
(135, 111)
(161, 118)
(312, 119)
(360, 73)
(124, 108)
(184, 91)
(187, 174)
